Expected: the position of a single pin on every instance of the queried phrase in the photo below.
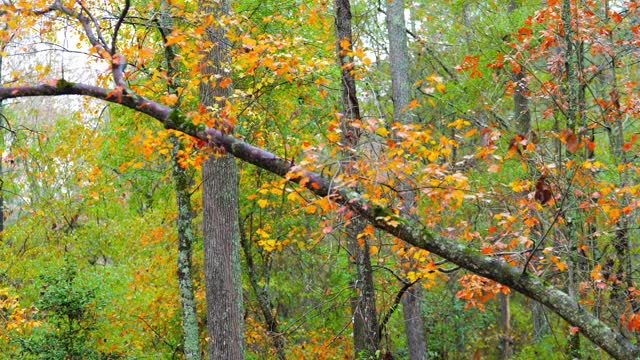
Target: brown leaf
(571, 140)
(543, 190)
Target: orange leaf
(225, 82)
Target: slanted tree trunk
(190, 330)
(401, 96)
(220, 206)
(363, 306)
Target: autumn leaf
(225, 82)
(543, 190)
(570, 140)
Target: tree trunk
(363, 309)
(220, 206)
(398, 61)
(190, 330)
(185, 244)
(401, 95)
(414, 323)
(506, 340)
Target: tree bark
(506, 340)
(185, 244)
(414, 323)
(363, 305)
(220, 206)
(190, 329)
(398, 61)
(401, 95)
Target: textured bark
(414, 323)
(401, 95)
(522, 116)
(398, 61)
(571, 79)
(506, 340)
(190, 329)
(221, 258)
(538, 320)
(363, 304)
(220, 208)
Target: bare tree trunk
(414, 323)
(185, 244)
(363, 305)
(220, 207)
(401, 95)
(506, 340)
(190, 329)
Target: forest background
(314, 179)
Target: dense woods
(390, 179)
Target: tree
(363, 304)
(401, 96)
(186, 235)
(220, 201)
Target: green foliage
(68, 309)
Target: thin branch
(123, 14)
(95, 23)
(394, 307)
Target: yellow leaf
(382, 131)
(333, 137)
(310, 209)
(373, 249)
(263, 203)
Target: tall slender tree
(220, 200)
(363, 306)
(186, 236)
(401, 96)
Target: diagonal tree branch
(403, 228)
(116, 29)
